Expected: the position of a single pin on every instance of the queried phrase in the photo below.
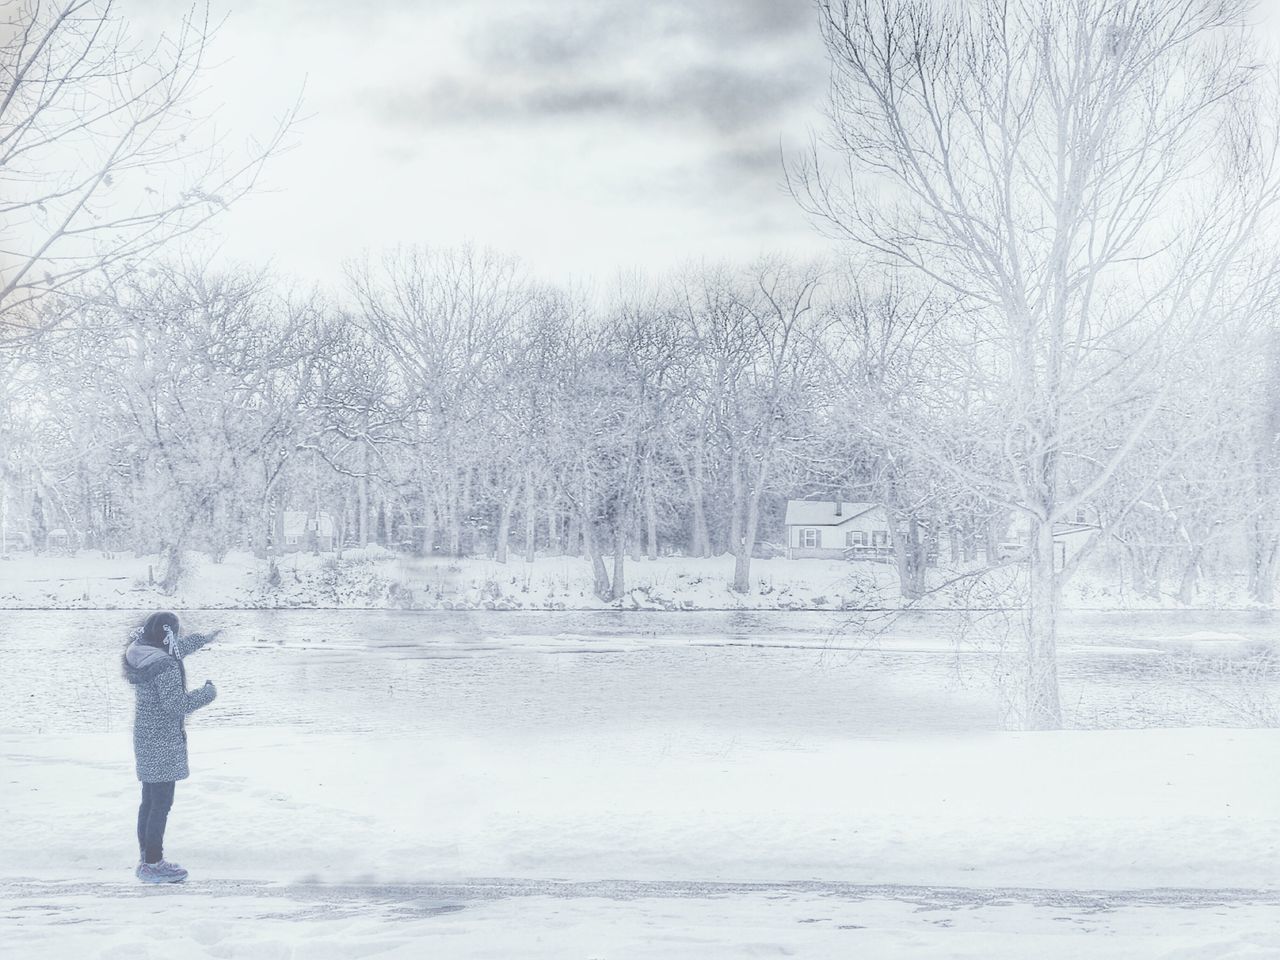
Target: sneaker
(162, 871)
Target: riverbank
(378, 579)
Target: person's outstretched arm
(182, 647)
(178, 702)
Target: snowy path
(431, 898)
(541, 918)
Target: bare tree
(754, 340)
(206, 380)
(445, 317)
(1083, 177)
(102, 157)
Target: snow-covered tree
(104, 157)
(1081, 179)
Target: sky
(585, 138)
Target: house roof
(822, 513)
(1020, 527)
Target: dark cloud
(718, 94)
(750, 161)
(723, 98)
(532, 43)
(768, 20)
(724, 65)
(731, 97)
(556, 34)
(725, 76)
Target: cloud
(721, 65)
(725, 98)
(555, 34)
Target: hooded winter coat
(162, 702)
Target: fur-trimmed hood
(143, 662)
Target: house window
(809, 539)
(291, 540)
(879, 538)
(855, 538)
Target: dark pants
(157, 798)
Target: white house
(837, 530)
(300, 528)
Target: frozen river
(771, 675)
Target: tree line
(449, 405)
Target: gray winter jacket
(160, 689)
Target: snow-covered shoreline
(379, 580)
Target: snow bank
(378, 579)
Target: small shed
(1069, 538)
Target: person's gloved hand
(210, 689)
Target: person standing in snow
(153, 665)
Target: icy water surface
(778, 675)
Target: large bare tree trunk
(909, 556)
(504, 525)
(635, 537)
(362, 494)
(741, 564)
(1041, 705)
(651, 527)
(650, 514)
(1264, 548)
(701, 544)
(590, 545)
(1190, 577)
(744, 540)
(530, 520)
(555, 541)
(621, 528)
(455, 522)
(389, 523)
(573, 537)
(699, 533)
(174, 557)
(428, 523)
(991, 541)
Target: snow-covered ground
(499, 921)
(491, 799)
(288, 809)
(1077, 810)
(375, 578)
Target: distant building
(1069, 538)
(308, 531)
(837, 530)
